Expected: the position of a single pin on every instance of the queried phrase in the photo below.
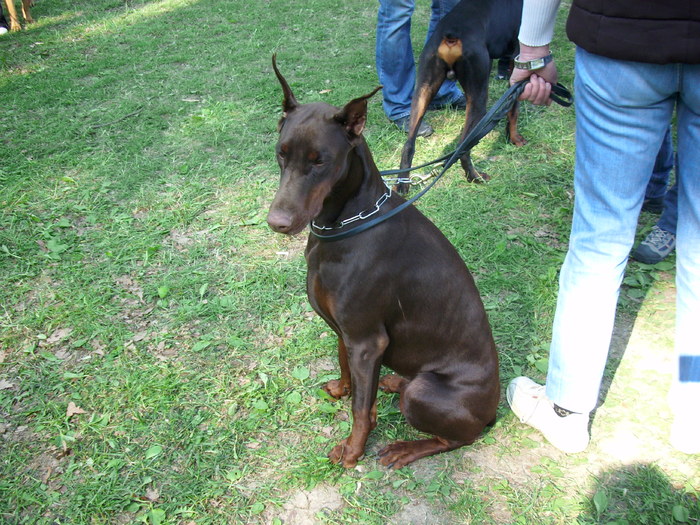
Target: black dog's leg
(431, 75)
(504, 67)
(472, 75)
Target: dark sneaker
(459, 104)
(424, 129)
(655, 247)
(653, 205)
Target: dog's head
(313, 153)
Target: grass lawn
(159, 361)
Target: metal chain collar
(413, 180)
(360, 216)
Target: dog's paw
(392, 383)
(517, 140)
(397, 455)
(337, 388)
(477, 177)
(341, 454)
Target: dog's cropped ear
(289, 103)
(354, 115)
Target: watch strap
(531, 65)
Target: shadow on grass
(640, 494)
(634, 293)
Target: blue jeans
(658, 185)
(394, 55)
(623, 110)
(669, 217)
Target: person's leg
(661, 240)
(669, 217)
(619, 129)
(685, 395)
(449, 92)
(394, 56)
(658, 184)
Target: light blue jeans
(623, 110)
(394, 55)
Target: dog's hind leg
(441, 406)
(12, 13)
(426, 89)
(512, 132)
(26, 13)
(401, 453)
(473, 75)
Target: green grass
(141, 285)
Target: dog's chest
(335, 279)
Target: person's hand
(539, 88)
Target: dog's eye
(315, 158)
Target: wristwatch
(531, 65)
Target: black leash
(498, 111)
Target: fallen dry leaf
(5, 385)
(73, 409)
(152, 494)
(59, 335)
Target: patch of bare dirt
(305, 506)
(418, 513)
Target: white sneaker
(529, 402)
(685, 435)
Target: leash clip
(419, 178)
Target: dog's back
(494, 23)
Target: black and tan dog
(12, 13)
(397, 294)
(463, 46)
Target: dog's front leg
(338, 388)
(364, 359)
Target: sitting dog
(12, 12)
(398, 294)
(463, 46)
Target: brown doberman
(463, 46)
(12, 12)
(397, 294)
